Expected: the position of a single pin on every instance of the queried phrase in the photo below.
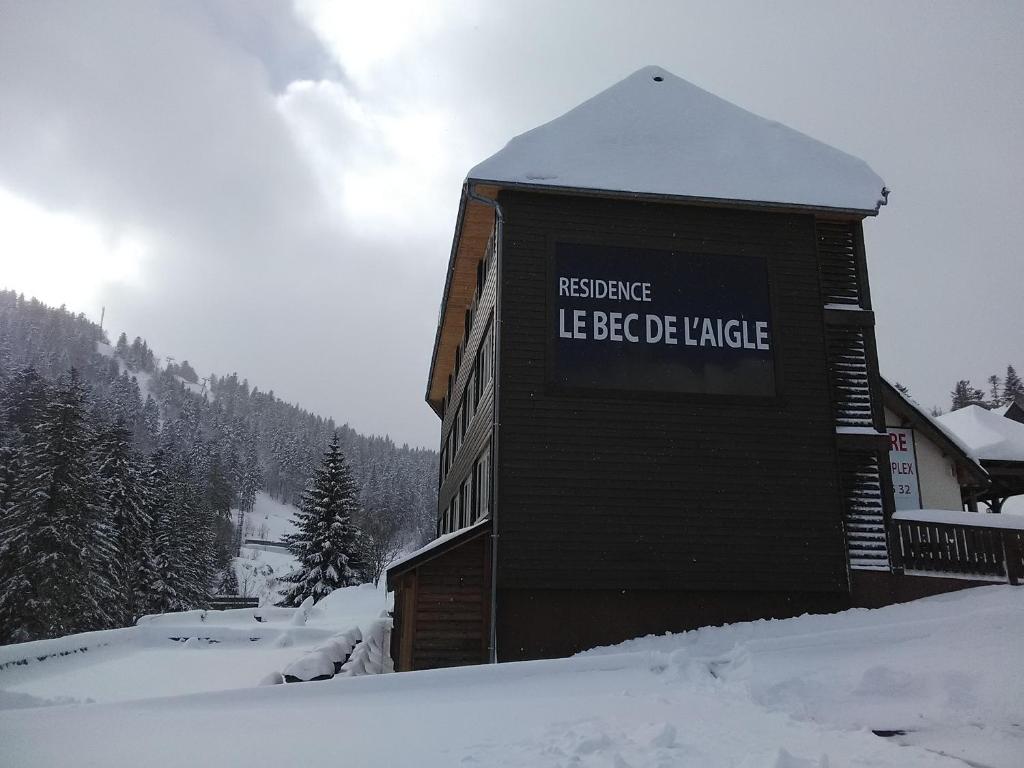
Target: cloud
(158, 122)
(284, 179)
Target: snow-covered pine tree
(1013, 387)
(124, 499)
(55, 546)
(10, 471)
(326, 543)
(161, 577)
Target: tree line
(999, 391)
(118, 475)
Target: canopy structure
(997, 442)
(651, 136)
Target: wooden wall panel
(612, 492)
(452, 602)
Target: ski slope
(801, 693)
(258, 570)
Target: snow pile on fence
(324, 661)
(372, 656)
(349, 654)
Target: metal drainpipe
(498, 234)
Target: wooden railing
(977, 545)
(228, 602)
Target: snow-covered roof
(899, 401)
(987, 435)
(655, 133)
(437, 543)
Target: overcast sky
(271, 188)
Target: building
(996, 438)
(656, 376)
(931, 467)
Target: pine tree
(902, 389)
(124, 500)
(121, 349)
(994, 387)
(55, 547)
(159, 576)
(326, 543)
(1013, 387)
(964, 394)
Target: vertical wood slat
(865, 515)
(961, 549)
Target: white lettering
(579, 324)
(707, 333)
(761, 331)
(631, 335)
(653, 329)
(615, 326)
(563, 332)
(733, 334)
(670, 329)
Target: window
(482, 485)
(464, 510)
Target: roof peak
(656, 133)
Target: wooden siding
(471, 238)
(617, 492)
(478, 433)
(442, 609)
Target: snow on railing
(324, 661)
(348, 654)
(38, 651)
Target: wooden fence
(227, 602)
(961, 550)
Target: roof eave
(463, 198)
(691, 199)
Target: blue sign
(649, 320)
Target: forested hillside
(119, 474)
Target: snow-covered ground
(802, 693)
(258, 569)
(270, 519)
(177, 654)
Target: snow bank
(946, 671)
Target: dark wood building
(656, 376)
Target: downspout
(499, 227)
